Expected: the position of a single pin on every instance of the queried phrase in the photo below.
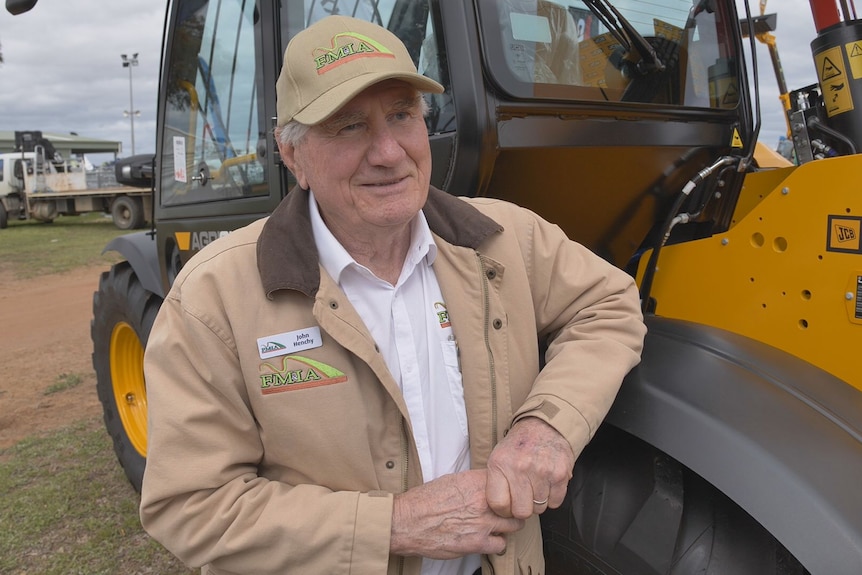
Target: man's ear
(288, 156)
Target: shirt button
(390, 465)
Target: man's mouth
(385, 183)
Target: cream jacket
(288, 464)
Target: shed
(68, 145)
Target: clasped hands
(472, 511)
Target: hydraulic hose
(674, 218)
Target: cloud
(63, 72)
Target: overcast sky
(63, 71)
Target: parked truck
(38, 183)
(736, 445)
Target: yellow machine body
(788, 272)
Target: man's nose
(385, 149)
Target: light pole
(131, 112)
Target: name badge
(289, 342)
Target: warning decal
(731, 95)
(858, 306)
(854, 56)
(844, 234)
(725, 92)
(833, 81)
(828, 70)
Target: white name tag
(289, 342)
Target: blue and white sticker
(289, 342)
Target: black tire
(127, 213)
(123, 314)
(632, 510)
(4, 217)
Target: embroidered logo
(295, 373)
(442, 314)
(346, 47)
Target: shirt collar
(335, 259)
(288, 259)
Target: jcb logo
(844, 234)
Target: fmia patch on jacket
(296, 372)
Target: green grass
(63, 382)
(30, 248)
(65, 505)
(68, 509)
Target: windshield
(670, 52)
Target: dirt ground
(44, 334)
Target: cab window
(214, 127)
(668, 52)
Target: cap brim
(331, 101)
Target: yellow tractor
(736, 445)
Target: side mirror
(16, 7)
(136, 171)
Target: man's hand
(447, 518)
(529, 470)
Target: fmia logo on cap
(346, 47)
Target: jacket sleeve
(202, 496)
(588, 316)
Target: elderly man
(353, 385)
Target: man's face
(369, 165)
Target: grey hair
(293, 132)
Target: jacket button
(333, 304)
(498, 323)
(390, 465)
(491, 273)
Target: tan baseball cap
(332, 61)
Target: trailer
(38, 183)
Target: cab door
(217, 167)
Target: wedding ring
(540, 502)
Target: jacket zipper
(405, 453)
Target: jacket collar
(288, 259)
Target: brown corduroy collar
(287, 257)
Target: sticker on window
(180, 160)
(530, 28)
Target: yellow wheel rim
(127, 379)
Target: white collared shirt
(419, 349)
